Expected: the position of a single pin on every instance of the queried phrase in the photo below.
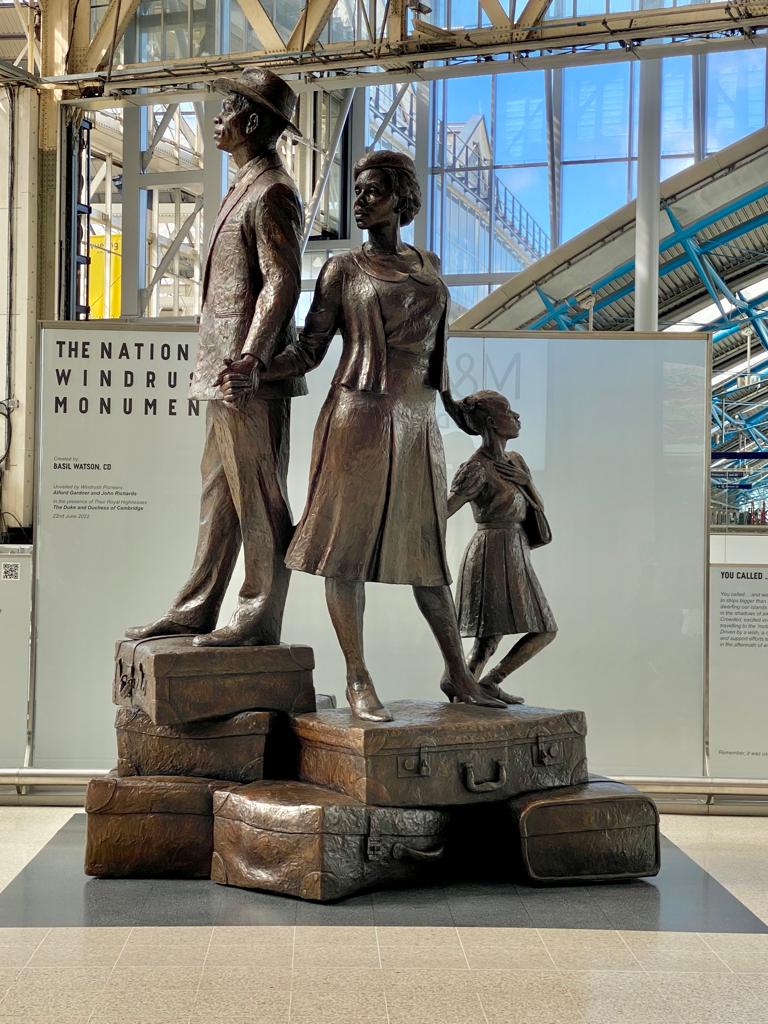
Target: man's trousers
(244, 501)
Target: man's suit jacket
(252, 277)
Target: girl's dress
(498, 590)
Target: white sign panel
(118, 492)
(15, 630)
(738, 655)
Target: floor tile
(348, 955)
(327, 937)
(513, 958)
(589, 950)
(430, 938)
(256, 935)
(54, 991)
(244, 983)
(421, 957)
(228, 1003)
(503, 938)
(124, 981)
(254, 957)
(337, 1003)
(364, 979)
(711, 999)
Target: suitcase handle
(402, 852)
(484, 787)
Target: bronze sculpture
(251, 284)
(376, 506)
(498, 591)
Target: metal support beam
(311, 23)
(553, 95)
(497, 16)
(134, 213)
(170, 254)
(158, 134)
(325, 172)
(261, 23)
(530, 16)
(575, 43)
(385, 122)
(648, 199)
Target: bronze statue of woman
(498, 591)
(377, 502)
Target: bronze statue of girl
(498, 592)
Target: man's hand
(238, 380)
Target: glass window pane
(466, 98)
(591, 192)
(400, 133)
(285, 15)
(735, 96)
(595, 111)
(465, 297)
(521, 124)
(677, 105)
(465, 13)
(343, 21)
(674, 165)
(466, 223)
(522, 214)
(586, 7)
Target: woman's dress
(376, 508)
(498, 590)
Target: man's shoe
(233, 636)
(161, 627)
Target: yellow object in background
(101, 307)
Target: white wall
(622, 474)
(739, 548)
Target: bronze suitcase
(221, 748)
(435, 755)
(307, 841)
(174, 682)
(594, 832)
(150, 827)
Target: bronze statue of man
(251, 284)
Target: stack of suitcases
(228, 770)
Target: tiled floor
(531, 972)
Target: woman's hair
(476, 409)
(401, 174)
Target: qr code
(11, 571)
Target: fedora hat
(267, 90)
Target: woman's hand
(238, 380)
(453, 408)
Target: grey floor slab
(52, 891)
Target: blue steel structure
(711, 246)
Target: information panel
(15, 635)
(117, 493)
(738, 654)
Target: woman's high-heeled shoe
(362, 698)
(471, 695)
(489, 684)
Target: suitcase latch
(409, 765)
(548, 752)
